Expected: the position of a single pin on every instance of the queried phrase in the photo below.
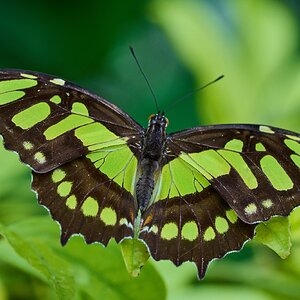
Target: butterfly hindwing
(198, 228)
(86, 199)
(49, 121)
(254, 168)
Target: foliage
(135, 255)
(276, 235)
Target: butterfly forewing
(49, 121)
(254, 168)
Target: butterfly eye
(151, 116)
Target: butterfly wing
(255, 169)
(189, 220)
(215, 182)
(49, 121)
(82, 149)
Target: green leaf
(276, 235)
(135, 255)
(249, 54)
(42, 258)
(95, 271)
(3, 292)
(104, 270)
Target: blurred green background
(181, 45)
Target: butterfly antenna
(145, 77)
(195, 91)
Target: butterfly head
(158, 120)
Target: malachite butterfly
(192, 195)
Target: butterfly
(192, 195)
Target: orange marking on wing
(132, 216)
(148, 219)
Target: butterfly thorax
(149, 164)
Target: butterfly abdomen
(145, 184)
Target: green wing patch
(49, 121)
(255, 169)
(179, 179)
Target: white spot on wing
(265, 129)
(124, 221)
(40, 157)
(58, 81)
(267, 203)
(251, 209)
(28, 76)
(27, 145)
